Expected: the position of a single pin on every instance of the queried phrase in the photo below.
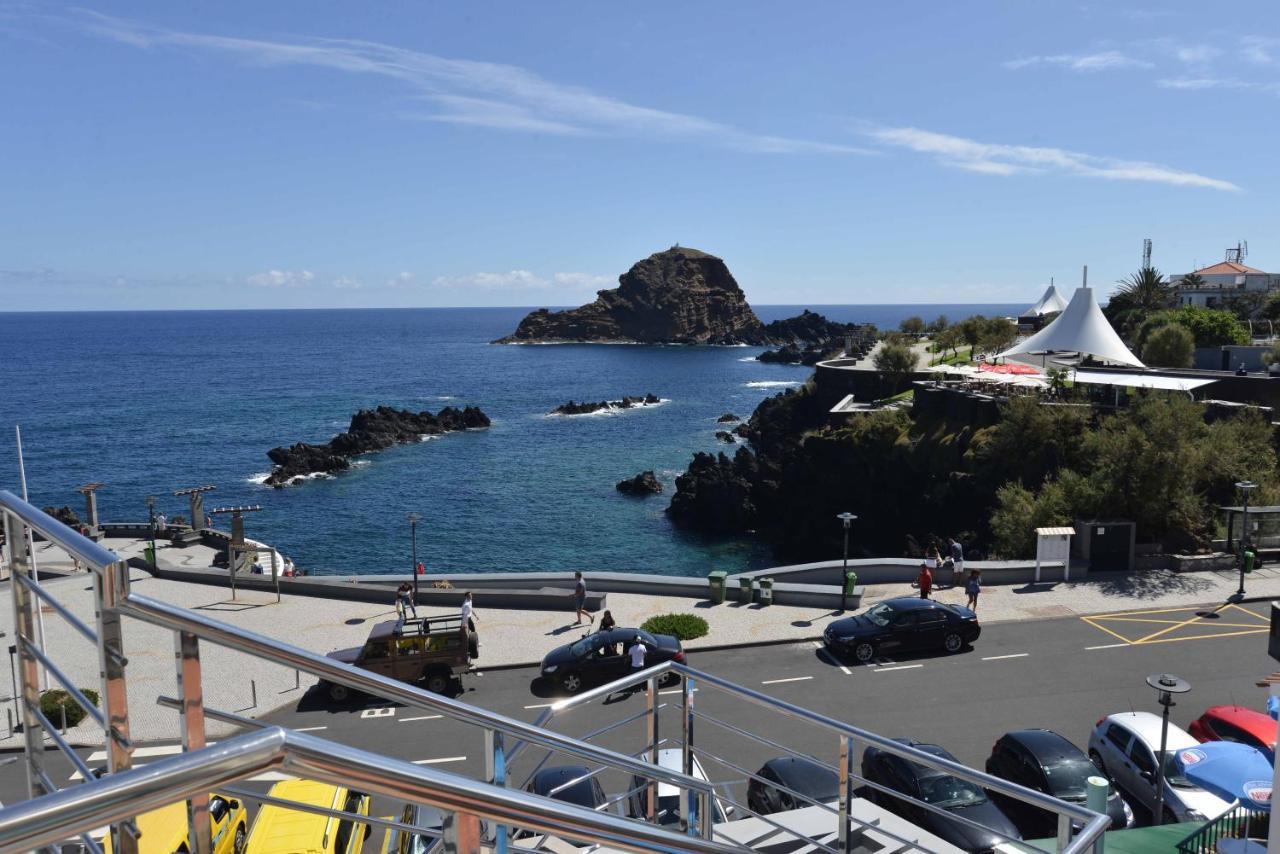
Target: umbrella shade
(1232, 771)
(1008, 368)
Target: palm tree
(1145, 290)
(1191, 281)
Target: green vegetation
(897, 362)
(998, 333)
(1139, 296)
(912, 325)
(1170, 345)
(684, 626)
(52, 703)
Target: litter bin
(744, 589)
(766, 591)
(149, 555)
(850, 582)
(1249, 557)
(715, 581)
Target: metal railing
(1238, 822)
(1078, 829)
(114, 600)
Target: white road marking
(1002, 657)
(271, 777)
(310, 728)
(677, 691)
(780, 681)
(378, 712)
(825, 653)
(1107, 646)
(439, 761)
(899, 667)
(157, 750)
(420, 718)
(540, 706)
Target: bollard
(9, 714)
(297, 680)
(63, 706)
(1096, 800)
(253, 688)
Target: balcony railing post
(496, 773)
(844, 768)
(686, 753)
(1064, 831)
(1273, 822)
(461, 833)
(110, 587)
(651, 731)
(24, 610)
(187, 659)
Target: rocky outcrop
(714, 494)
(728, 418)
(585, 408)
(726, 437)
(65, 515)
(680, 296)
(808, 338)
(645, 483)
(370, 430)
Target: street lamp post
(413, 529)
(1244, 486)
(1166, 685)
(847, 519)
(151, 512)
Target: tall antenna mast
(1236, 254)
(1146, 253)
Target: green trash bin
(766, 591)
(149, 555)
(744, 589)
(1249, 557)
(850, 582)
(715, 581)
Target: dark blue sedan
(907, 624)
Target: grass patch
(684, 626)
(54, 701)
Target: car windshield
(584, 646)
(1067, 777)
(1173, 774)
(881, 614)
(946, 791)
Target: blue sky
(312, 154)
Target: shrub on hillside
(52, 703)
(684, 626)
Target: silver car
(1124, 747)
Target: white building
(1222, 282)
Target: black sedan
(788, 776)
(602, 657)
(1041, 759)
(572, 784)
(907, 624)
(953, 795)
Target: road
(1061, 674)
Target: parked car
(432, 650)
(428, 818)
(572, 784)
(281, 830)
(165, 830)
(1124, 746)
(602, 657)
(1041, 759)
(906, 624)
(1236, 723)
(954, 795)
(668, 811)
(784, 777)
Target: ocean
(152, 402)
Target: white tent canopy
(1051, 302)
(1080, 328)
(1160, 381)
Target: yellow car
(280, 830)
(164, 831)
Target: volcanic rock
(65, 515)
(726, 437)
(642, 484)
(680, 296)
(370, 430)
(727, 418)
(586, 408)
(714, 494)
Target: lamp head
(1245, 486)
(847, 518)
(1167, 685)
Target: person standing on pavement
(607, 624)
(579, 596)
(957, 559)
(637, 653)
(973, 587)
(404, 599)
(162, 523)
(924, 581)
(469, 620)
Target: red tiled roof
(1226, 268)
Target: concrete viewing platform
(331, 617)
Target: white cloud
(511, 280)
(469, 92)
(583, 280)
(1196, 54)
(1000, 159)
(1198, 83)
(347, 283)
(400, 280)
(1103, 61)
(1260, 50)
(281, 279)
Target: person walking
(637, 653)
(404, 601)
(973, 587)
(924, 581)
(162, 523)
(469, 620)
(579, 596)
(957, 558)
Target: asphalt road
(1061, 674)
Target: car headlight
(550, 668)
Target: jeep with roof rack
(434, 651)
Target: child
(973, 587)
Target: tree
(912, 325)
(947, 339)
(1271, 308)
(1191, 282)
(1169, 346)
(1145, 290)
(1245, 305)
(971, 329)
(896, 362)
(998, 334)
(1212, 327)
(939, 324)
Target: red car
(1236, 723)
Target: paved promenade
(251, 687)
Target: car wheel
(953, 642)
(864, 652)
(1096, 759)
(338, 693)
(238, 847)
(571, 682)
(437, 682)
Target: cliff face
(680, 296)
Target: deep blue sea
(150, 402)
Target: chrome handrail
(45, 821)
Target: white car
(671, 758)
(1124, 747)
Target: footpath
(253, 687)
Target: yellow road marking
(1165, 631)
(1265, 619)
(1107, 630)
(1209, 637)
(1182, 622)
(1204, 628)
